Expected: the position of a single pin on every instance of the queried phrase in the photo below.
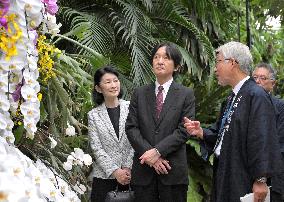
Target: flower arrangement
(25, 180)
(27, 56)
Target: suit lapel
(106, 120)
(172, 95)
(151, 98)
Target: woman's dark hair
(98, 97)
(172, 52)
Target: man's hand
(260, 191)
(150, 157)
(122, 176)
(162, 166)
(193, 128)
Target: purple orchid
(51, 6)
(4, 7)
(17, 93)
(4, 23)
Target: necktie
(159, 101)
(224, 118)
(227, 110)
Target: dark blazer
(167, 134)
(277, 181)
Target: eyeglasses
(261, 78)
(218, 61)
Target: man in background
(265, 76)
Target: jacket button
(156, 132)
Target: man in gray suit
(155, 130)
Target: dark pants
(158, 192)
(100, 188)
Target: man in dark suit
(265, 76)
(155, 130)
(243, 140)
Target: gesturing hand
(193, 128)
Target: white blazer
(109, 151)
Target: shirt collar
(239, 85)
(166, 85)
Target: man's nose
(113, 84)
(161, 60)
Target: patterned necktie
(159, 101)
(227, 110)
(225, 117)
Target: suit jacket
(167, 133)
(277, 182)
(110, 152)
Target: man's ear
(273, 83)
(98, 89)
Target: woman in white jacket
(112, 150)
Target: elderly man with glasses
(265, 76)
(243, 140)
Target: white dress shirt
(166, 87)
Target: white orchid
(67, 165)
(13, 106)
(33, 10)
(4, 81)
(30, 77)
(15, 63)
(12, 165)
(4, 120)
(63, 186)
(4, 102)
(30, 126)
(30, 110)
(70, 196)
(78, 157)
(53, 143)
(50, 24)
(23, 180)
(70, 130)
(87, 159)
(30, 135)
(11, 188)
(29, 93)
(32, 62)
(9, 136)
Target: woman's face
(109, 86)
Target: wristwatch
(261, 180)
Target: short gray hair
(239, 52)
(269, 68)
